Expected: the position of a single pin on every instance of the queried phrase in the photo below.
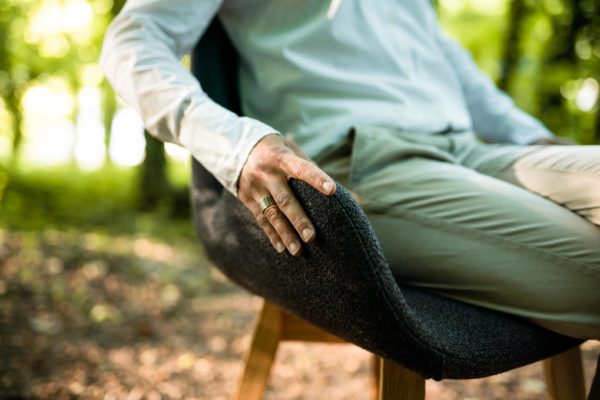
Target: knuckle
(262, 220)
(252, 165)
(277, 154)
(257, 173)
(283, 198)
(318, 179)
(288, 236)
(256, 169)
(300, 222)
(271, 213)
(301, 168)
(270, 235)
(247, 198)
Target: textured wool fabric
(342, 282)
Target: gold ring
(266, 202)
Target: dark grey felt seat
(342, 282)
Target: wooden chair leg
(375, 360)
(399, 383)
(564, 376)
(261, 354)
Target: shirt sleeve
(494, 115)
(141, 58)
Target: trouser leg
(475, 238)
(567, 175)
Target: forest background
(101, 271)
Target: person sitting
(471, 197)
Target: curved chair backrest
(342, 282)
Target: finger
(306, 171)
(266, 226)
(283, 228)
(293, 211)
(274, 238)
(296, 149)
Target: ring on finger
(266, 202)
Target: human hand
(270, 164)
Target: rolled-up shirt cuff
(221, 140)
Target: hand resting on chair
(270, 164)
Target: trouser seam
(381, 208)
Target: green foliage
(543, 52)
(62, 197)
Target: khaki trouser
(508, 227)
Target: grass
(106, 200)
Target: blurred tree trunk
(561, 61)
(154, 187)
(567, 51)
(516, 17)
(14, 108)
(154, 184)
(8, 87)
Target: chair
(563, 372)
(343, 288)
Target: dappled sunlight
(54, 23)
(582, 93)
(177, 153)
(76, 17)
(105, 296)
(69, 28)
(485, 7)
(127, 142)
(53, 139)
(91, 75)
(51, 145)
(55, 17)
(50, 132)
(47, 102)
(46, 20)
(89, 143)
(587, 96)
(153, 250)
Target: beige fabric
(486, 224)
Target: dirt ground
(86, 315)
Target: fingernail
(280, 247)
(294, 247)
(327, 186)
(307, 234)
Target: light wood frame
(564, 372)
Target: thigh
(479, 239)
(567, 175)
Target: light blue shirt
(312, 68)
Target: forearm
(140, 57)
